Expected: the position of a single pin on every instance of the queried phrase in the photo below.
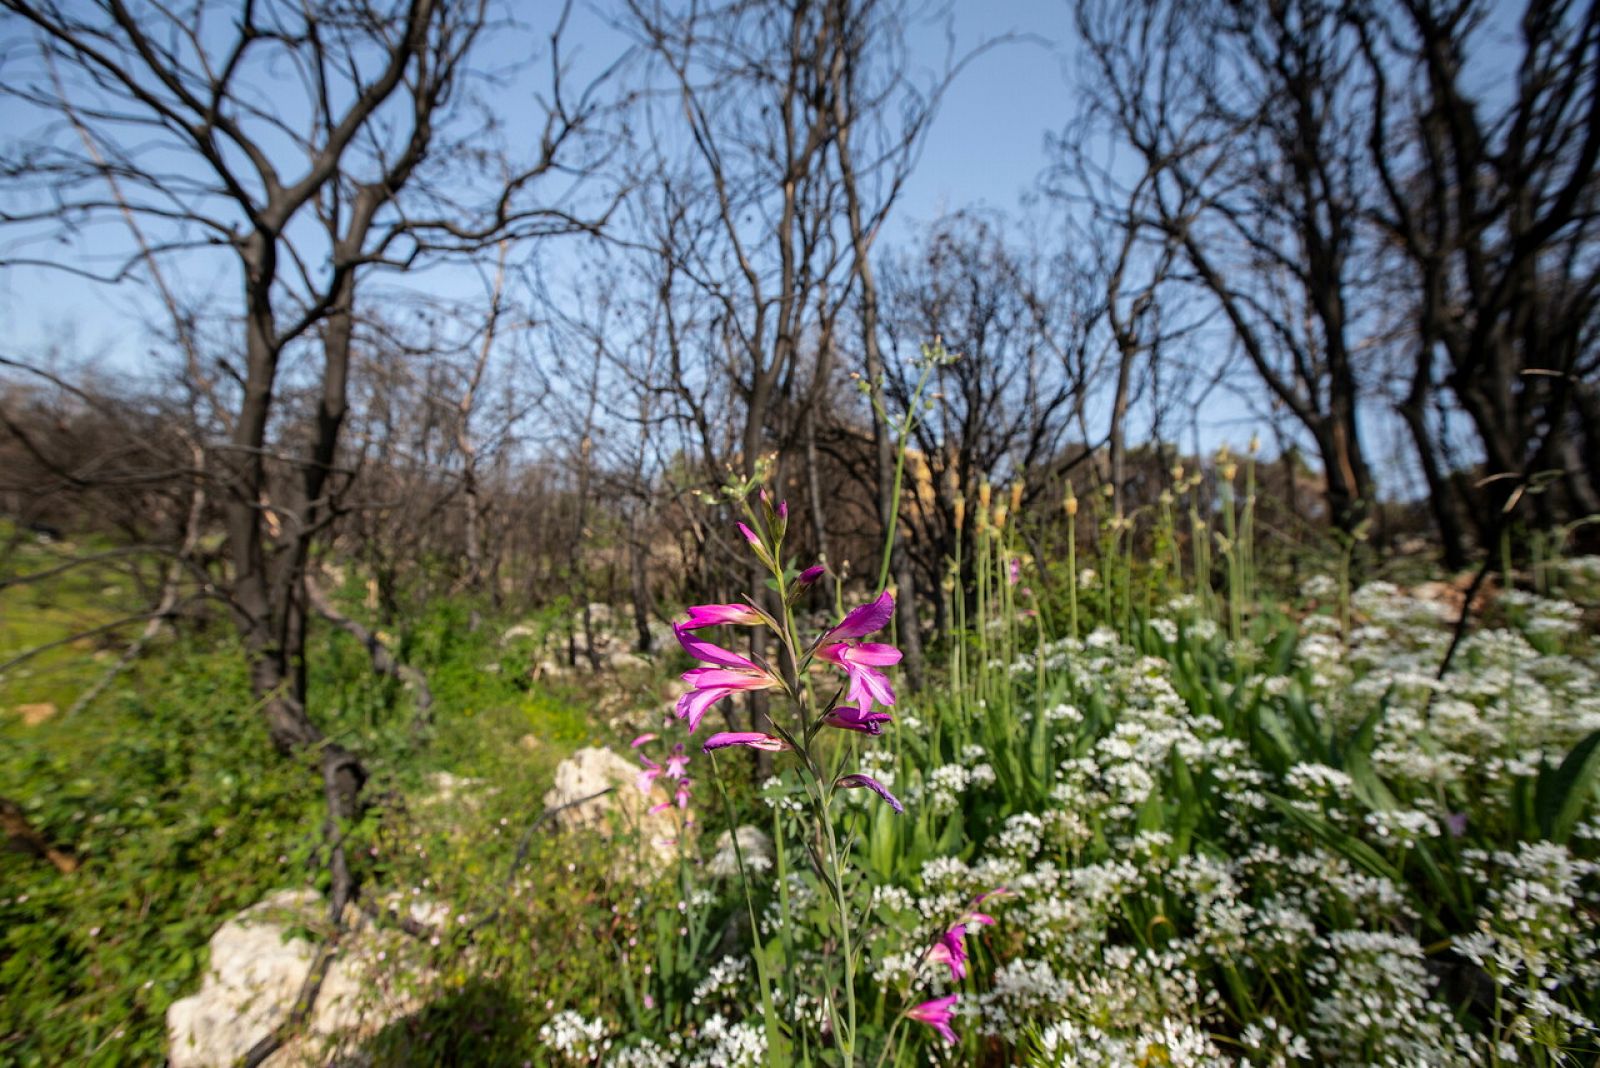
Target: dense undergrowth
(167, 791)
(1271, 836)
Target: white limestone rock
(756, 846)
(257, 972)
(625, 810)
(254, 977)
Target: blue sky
(986, 147)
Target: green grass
(168, 790)
(76, 601)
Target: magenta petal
(641, 740)
(876, 654)
(752, 739)
(701, 649)
(716, 615)
(693, 705)
(851, 718)
(811, 574)
(852, 781)
(943, 954)
(749, 535)
(728, 678)
(868, 618)
(936, 1014)
(868, 686)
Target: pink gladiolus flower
(860, 661)
(678, 763)
(936, 1014)
(733, 674)
(716, 615)
(851, 718)
(811, 574)
(852, 781)
(1015, 569)
(749, 535)
(972, 915)
(682, 796)
(951, 951)
(783, 510)
(867, 619)
(752, 739)
(646, 778)
(643, 739)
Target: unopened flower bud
(985, 491)
(1255, 444)
(1016, 495)
(1000, 517)
(961, 512)
(1071, 503)
(1229, 470)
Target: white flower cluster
(727, 975)
(1532, 942)
(717, 1044)
(1374, 1005)
(944, 789)
(574, 1038)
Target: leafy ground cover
(1267, 838)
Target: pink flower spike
(936, 1014)
(716, 615)
(866, 619)
(751, 739)
(749, 535)
(643, 739)
(810, 575)
(851, 718)
(849, 782)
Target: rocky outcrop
(259, 967)
(623, 812)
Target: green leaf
(1563, 794)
